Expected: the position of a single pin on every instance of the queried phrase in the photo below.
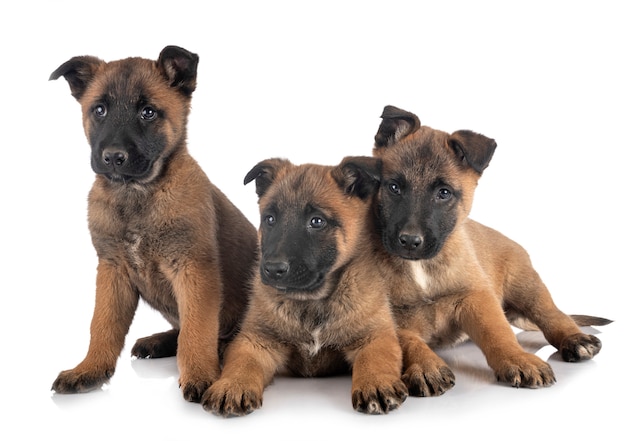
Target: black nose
(409, 241)
(113, 156)
(275, 270)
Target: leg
(533, 301)
(160, 345)
(425, 373)
(249, 366)
(376, 370)
(483, 319)
(116, 303)
(198, 292)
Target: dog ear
(358, 175)
(473, 148)
(78, 71)
(264, 173)
(396, 124)
(180, 67)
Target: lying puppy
(162, 231)
(451, 277)
(319, 305)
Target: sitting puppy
(453, 278)
(319, 304)
(162, 231)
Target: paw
(428, 382)
(580, 347)
(526, 370)
(226, 398)
(380, 398)
(159, 345)
(194, 390)
(78, 381)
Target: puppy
(162, 231)
(451, 277)
(319, 305)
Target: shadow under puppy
(451, 277)
(162, 231)
(319, 305)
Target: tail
(581, 320)
(589, 320)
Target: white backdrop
(308, 81)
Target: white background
(308, 81)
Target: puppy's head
(314, 220)
(428, 180)
(134, 110)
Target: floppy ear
(358, 175)
(264, 173)
(78, 71)
(472, 148)
(180, 68)
(396, 124)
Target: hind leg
(162, 344)
(532, 300)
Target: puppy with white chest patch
(452, 278)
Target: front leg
(116, 303)
(198, 291)
(250, 364)
(482, 318)
(377, 386)
(425, 373)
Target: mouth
(302, 290)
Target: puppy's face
(428, 180)
(134, 110)
(312, 220)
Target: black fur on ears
(358, 175)
(396, 124)
(78, 71)
(474, 149)
(264, 173)
(180, 67)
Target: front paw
(78, 380)
(379, 397)
(229, 398)
(580, 347)
(525, 370)
(423, 381)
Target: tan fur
(477, 280)
(345, 324)
(171, 238)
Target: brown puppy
(452, 277)
(319, 305)
(162, 231)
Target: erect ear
(396, 124)
(78, 71)
(264, 173)
(472, 148)
(358, 175)
(180, 67)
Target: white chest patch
(422, 279)
(315, 345)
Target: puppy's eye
(394, 188)
(317, 222)
(148, 113)
(100, 110)
(269, 220)
(444, 194)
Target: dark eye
(394, 188)
(317, 222)
(269, 219)
(100, 110)
(148, 113)
(444, 194)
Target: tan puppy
(319, 305)
(162, 231)
(451, 277)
